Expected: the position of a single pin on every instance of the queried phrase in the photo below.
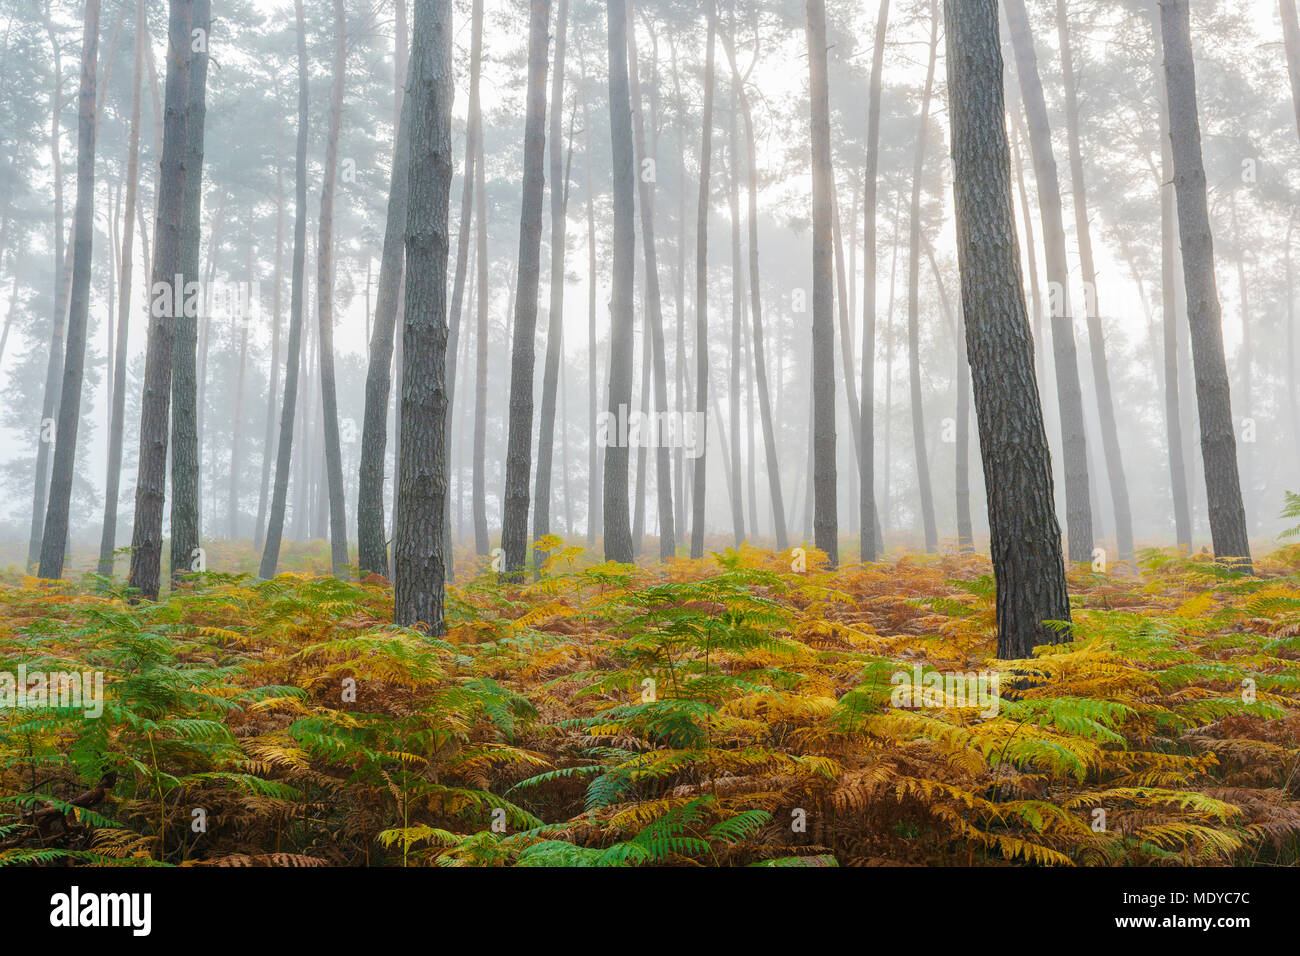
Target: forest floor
(728, 711)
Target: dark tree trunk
(112, 484)
(55, 532)
(482, 543)
(618, 531)
(185, 549)
(325, 305)
(519, 442)
(372, 543)
(870, 545)
(1096, 342)
(1078, 510)
(1218, 441)
(823, 324)
(275, 529)
(151, 479)
(914, 297)
(555, 325)
(1026, 540)
(699, 467)
(419, 563)
(735, 358)
(1291, 41)
(654, 339)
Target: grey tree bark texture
(1204, 315)
(869, 543)
(1025, 538)
(155, 402)
(293, 348)
(618, 525)
(185, 548)
(1078, 509)
(55, 533)
(419, 562)
(519, 440)
(825, 527)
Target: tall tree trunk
(870, 544)
(108, 536)
(735, 358)
(699, 466)
(1026, 540)
(185, 549)
(55, 536)
(150, 487)
(58, 322)
(654, 338)
(555, 325)
(913, 299)
(419, 562)
(1291, 41)
(823, 324)
(275, 529)
(269, 442)
(1096, 342)
(325, 303)
(1078, 510)
(1218, 442)
(618, 531)
(519, 445)
(372, 543)
(482, 543)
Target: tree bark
(519, 442)
(419, 563)
(55, 533)
(1204, 315)
(823, 324)
(1078, 510)
(1025, 538)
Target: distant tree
(293, 349)
(1025, 538)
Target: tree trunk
(618, 531)
(1291, 40)
(419, 563)
(151, 480)
(1025, 538)
(482, 543)
(275, 530)
(55, 532)
(1096, 342)
(555, 325)
(1078, 510)
(654, 338)
(870, 544)
(108, 536)
(519, 443)
(1218, 442)
(699, 467)
(372, 543)
(913, 299)
(325, 304)
(823, 324)
(185, 549)
(595, 485)
(735, 358)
